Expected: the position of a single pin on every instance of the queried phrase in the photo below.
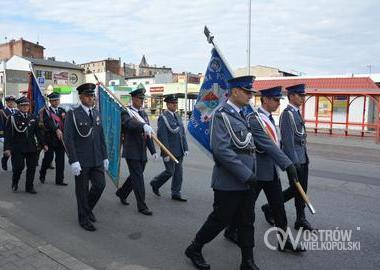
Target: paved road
(344, 187)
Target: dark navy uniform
(53, 119)
(232, 177)
(20, 139)
(171, 133)
(4, 114)
(84, 139)
(134, 151)
(293, 135)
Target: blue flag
(35, 96)
(110, 112)
(213, 94)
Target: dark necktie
(242, 114)
(271, 119)
(175, 118)
(90, 115)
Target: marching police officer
(137, 138)
(20, 143)
(53, 120)
(269, 158)
(171, 133)
(84, 139)
(232, 177)
(293, 133)
(9, 109)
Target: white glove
(148, 130)
(2, 140)
(166, 159)
(186, 153)
(75, 168)
(106, 163)
(155, 156)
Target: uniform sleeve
(287, 137)
(264, 143)
(162, 132)
(103, 144)
(223, 152)
(8, 135)
(131, 124)
(68, 137)
(40, 134)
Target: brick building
(21, 48)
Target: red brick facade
(22, 48)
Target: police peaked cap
(171, 98)
(243, 82)
(138, 92)
(54, 96)
(272, 92)
(86, 88)
(23, 101)
(296, 89)
(10, 98)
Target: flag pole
(249, 37)
(138, 118)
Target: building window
(147, 82)
(39, 73)
(48, 75)
(134, 83)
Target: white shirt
(86, 109)
(294, 107)
(236, 108)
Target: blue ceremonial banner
(110, 113)
(35, 96)
(213, 93)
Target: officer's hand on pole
(291, 171)
(148, 130)
(155, 156)
(166, 159)
(106, 164)
(186, 153)
(75, 168)
(252, 182)
(59, 134)
(7, 153)
(46, 148)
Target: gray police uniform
(171, 133)
(134, 151)
(85, 143)
(293, 134)
(233, 152)
(269, 158)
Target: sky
(317, 37)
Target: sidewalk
(20, 250)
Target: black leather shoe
(61, 184)
(179, 198)
(42, 179)
(31, 191)
(289, 247)
(304, 224)
(122, 200)
(14, 187)
(92, 217)
(268, 214)
(249, 265)
(146, 212)
(194, 253)
(88, 227)
(231, 235)
(155, 189)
